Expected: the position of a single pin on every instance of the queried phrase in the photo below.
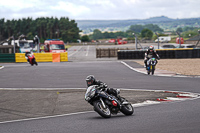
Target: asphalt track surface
(167, 117)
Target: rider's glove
(105, 85)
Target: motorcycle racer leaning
(26, 55)
(150, 53)
(90, 80)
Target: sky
(99, 9)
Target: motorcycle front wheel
(127, 109)
(153, 69)
(104, 112)
(148, 72)
(148, 69)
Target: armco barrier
(40, 57)
(43, 57)
(20, 57)
(64, 56)
(7, 58)
(163, 53)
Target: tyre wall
(163, 53)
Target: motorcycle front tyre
(153, 69)
(98, 107)
(127, 109)
(148, 72)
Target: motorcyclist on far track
(26, 55)
(150, 53)
(90, 80)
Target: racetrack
(178, 116)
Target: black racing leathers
(150, 54)
(105, 88)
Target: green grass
(67, 46)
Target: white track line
(46, 117)
(88, 47)
(75, 52)
(162, 75)
(132, 68)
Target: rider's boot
(145, 65)
(119, 97)
(122, 100)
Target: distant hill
(162, 21)
(159, 19)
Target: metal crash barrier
(40, 57)
(43, 57)
(7, 57)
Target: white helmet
(151, 47)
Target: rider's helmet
(90, 80)
(151, 48)
(27, 52)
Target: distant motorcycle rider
(90, 80)
(26, 55)
(150, 53)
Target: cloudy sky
(99, 9)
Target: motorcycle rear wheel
(104, 112)
(34, 62)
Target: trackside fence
(108, 52)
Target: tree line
(45, 28)
(68, 31)
(142, 31)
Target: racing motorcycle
(31, 59)
(151, 65)
(105, 104)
